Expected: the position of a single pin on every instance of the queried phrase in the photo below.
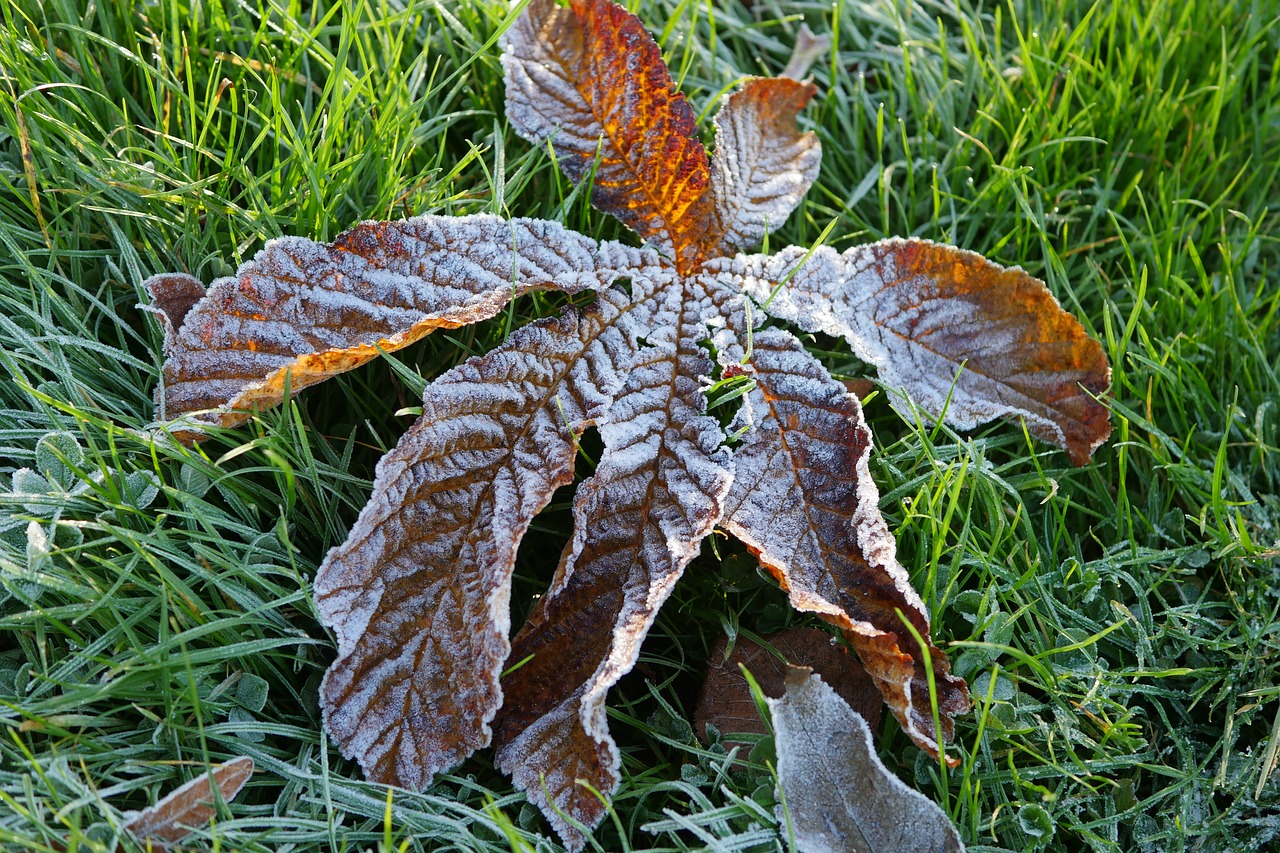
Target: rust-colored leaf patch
(190, 806)
(589, 78)
(418, 596)
(301, 312)
(967, 340)
(764, 164)
(725, 700)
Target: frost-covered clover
(418, 596)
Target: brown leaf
(418, 595)
(804, 502)
(190, 806)
(173, 295)
(589, 78)
(302, 311)
(638, 521)
(839, 796)
(959, 334)
(860, 388)
(725, 700)
(763, 165)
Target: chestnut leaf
(418, 596)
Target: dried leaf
(807, 50)
(804, 502)
(191, 806)
(725, 700)
(656, 494)
(763, 165)
(840, 797)
(960, 334)
(418, 595)
(302, 311)
(589, 78)
(173, 295)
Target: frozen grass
(1118, 622)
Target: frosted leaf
(763, 164)
(804, 502)
(172, 296)
(418, 595)
(589, 78)
(302, 311)
(806, 51)
(638, 520)
(190, 806)
(840, 797)
(961, 335)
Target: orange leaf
(590, 79)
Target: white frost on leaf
(418, 596)
(803, 500)
(190, 806)
(965, 339)
(840, 798)
(762, 165)
(301, 311)
(638, 521)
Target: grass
(1118, 622)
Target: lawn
(1119, 622)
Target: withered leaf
(840, 797)
(589, 78)
(418, 597)
(418, 594)
(764, 165)
(725, 700)
(190, 806)
(658, 491)
(963, 336)
(803, 501)
(303, 311)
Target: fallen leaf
(191, 806)
(839, 797)
(725, 700)
(804, 502)
(966, 339)
(418, 597)
(773, 163)
(302, 311)
(588, 78)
